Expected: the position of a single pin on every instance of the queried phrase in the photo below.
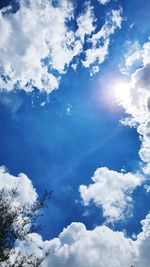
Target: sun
(121, 91)
(113, 94)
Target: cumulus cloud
(37, 32)
(143, 243)
(38, 45)
(100, 247)
(137, 104)
(112, 191)
(27, 193)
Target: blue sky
(59, 134)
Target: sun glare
(116, 93)
(121, 91)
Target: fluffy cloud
(143, 244)
(100, 247)
(33, 246)
(38, 45)
(85, 23)
(27, 193)
(137, 103)
(37, 32)
(112, 191)
(104, 2)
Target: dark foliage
(16, 222)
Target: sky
(74, 119)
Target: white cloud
(100, 247)
(146, 168)
(104, 2)
(36, 32)
(37, 45)
(94, 70)
(143, 244)
(146, 53)
(112, 191)
(144, 131)
(27, 193)
(85, 23)
(135, 100)
(147, 187)
(100, 41)
(132, 56)
(135, 54)
(137, 104)
(33, 246)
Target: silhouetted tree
(16, 222)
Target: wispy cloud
(100, 41)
